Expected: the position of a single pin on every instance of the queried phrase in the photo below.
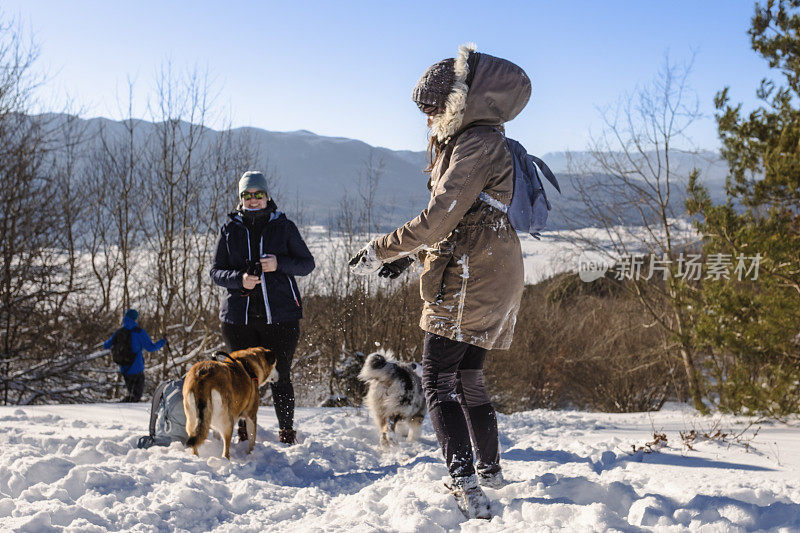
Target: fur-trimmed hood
(498, 90)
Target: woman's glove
(364, 262)
(395, 268)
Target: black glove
(395, 268)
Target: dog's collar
(253, 377)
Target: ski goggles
(258, 195)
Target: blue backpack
(529, 205)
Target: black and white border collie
(395, 396)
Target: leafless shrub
(715, 433)
(659, 442)
(334, 324)
(585, 346)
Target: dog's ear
(376, 361)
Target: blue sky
(346, 68)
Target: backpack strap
(544, 169)
(157, 394)
(484, 196)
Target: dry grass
(583, 345)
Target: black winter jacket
(277, 289)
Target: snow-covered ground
(76, 468)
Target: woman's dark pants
(282, 339)
(458, 404)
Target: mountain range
(316, 176)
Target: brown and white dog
(216, 394)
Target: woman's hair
(434, 151)
(435, 148)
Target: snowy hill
(75, 468)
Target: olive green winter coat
(473, 274)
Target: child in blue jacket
(134, 373)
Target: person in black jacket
(259, 253)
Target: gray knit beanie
(435, 84)
(253, 179)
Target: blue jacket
(278, 289)
(139, 340)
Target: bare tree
(24, 230)
(67, 168)
(172, 189)
(115, 175)
(40, 213)
(636, 178)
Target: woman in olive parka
(473, 274)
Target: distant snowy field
(75, 468)
(554, 253)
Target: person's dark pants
(135, 385)
(460, 409)
(282, 339)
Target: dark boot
(242, 431)
(287, 436)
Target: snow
(563, 250)
(464, 262)
(497, 204)
(75, 468)
(556, 252)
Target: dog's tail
(198, 421)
